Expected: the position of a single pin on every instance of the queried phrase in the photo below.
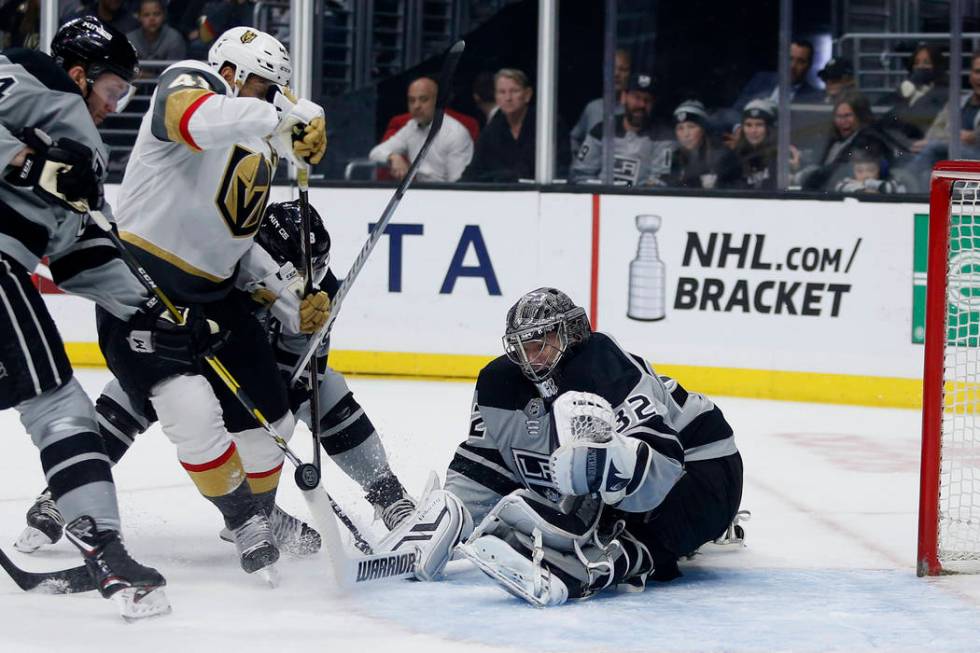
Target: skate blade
(136, 603)
(31, 539)
(269, 574)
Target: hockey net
(949, 491)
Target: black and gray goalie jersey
(36, 92)
(511, 435)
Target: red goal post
(949, 487)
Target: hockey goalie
(583, 469)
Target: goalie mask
(251, 52)
(281, 234)
(541, 327)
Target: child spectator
(865, 175)
(697, 162)
(155, 40)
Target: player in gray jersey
(55, 164)
(347, 434)
(583, 468)
(641, 152)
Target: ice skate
(136, 590)
(256, 547)
(293, 536)
(45, 525)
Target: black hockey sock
(237, 506)
(384, 491)
(117, 427)
(266, 501)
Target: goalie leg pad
(433, 530)
(518, 574)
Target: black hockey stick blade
(64, 581)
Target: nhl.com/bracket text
(776, 295)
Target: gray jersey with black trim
(36, 92)
(511, 435)
(639, 158)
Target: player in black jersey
(583, 468)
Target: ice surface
(829, 562)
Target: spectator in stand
(450, 152)
(852, 129)
(217, 17)
(592, 114)
(505, 151)
(697, 161)
(838, 77)
(155, 40)
(866, 176)
(755, 149)
(936, 147)
(641, 153)
(113, 12)
(484, 96)
(20, 23)
(766, 84)
(917, 101)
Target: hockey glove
(153, 330)
(314, 311)
(302, 131)
(592, 456)
(62, 172)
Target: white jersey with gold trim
(197, 182)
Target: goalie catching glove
(61, 172)
(302, 130)
(153, 330)
(282, 292)
(593, 457)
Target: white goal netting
(959, 492)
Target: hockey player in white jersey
(191, 201)
(583, 469)
(54, 164)
(347, 434)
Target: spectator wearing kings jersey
(451, 149)
(641, 155)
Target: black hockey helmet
(281, 234)
(531, 321)
(98, 46)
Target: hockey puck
(307, 476)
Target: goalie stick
(445, 83)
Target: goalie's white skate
(520, 576)
(136, 603)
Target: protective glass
(114, 90)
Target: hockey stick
(313, 384)
(64, 581)
(445, 83)
(306, 476)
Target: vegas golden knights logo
(248, 36)
(244, 191)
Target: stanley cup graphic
(647, 274)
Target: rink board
(786, 299)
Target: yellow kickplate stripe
(712, 381)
